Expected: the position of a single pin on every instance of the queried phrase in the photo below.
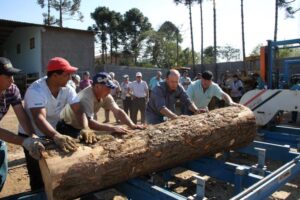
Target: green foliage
(69, 8)
(185, 2)
(185, 57)
(134, 25)
(161, 47)
(256, 50)
(208, 55)
(290, 10)
(229, 53)
(289, 52)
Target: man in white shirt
(44, 100)
(140, 94)
(185, 80)
(236, 88)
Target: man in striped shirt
(10, 95)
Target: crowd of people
(62, 107)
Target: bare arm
(95, 125)
(123, 117)
(168, 113)
(23, 119)
(39, 117)
(80, 115)
(227, 99)
(193, 108)
(10, 137)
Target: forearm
(227, 98)
(26, 125)
(82, 119)
(45, 127)
(94, 125)
(193, 108)
(168, 113)
(124, 118)
(10, 137)
(23, 119)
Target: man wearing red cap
(44, 101)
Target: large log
(118, 158)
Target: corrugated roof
(8, 26)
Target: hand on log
(34, 147)
(139, 127)
(66, 143)
(88, 136)
(120, 130)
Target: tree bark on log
(115, 159)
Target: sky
(258, 18)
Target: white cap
(77, 77)
(112, 74)
(138, 74)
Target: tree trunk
(243, 37)
(215, 39)
(201, 25)
(116, 159)
(48, 22)
(192, 34)
(276, 21)
(60, 14)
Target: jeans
(67, 129)
(3, 163)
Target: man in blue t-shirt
(162, 101)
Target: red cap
(58, 63)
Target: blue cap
(105, 79)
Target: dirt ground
(182, 183)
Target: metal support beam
(200, 188)
(138, 189)
(240, 172)
(273, 151)
(260, 168)
(267, 186)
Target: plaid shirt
(10, 96)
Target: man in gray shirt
(163, 99)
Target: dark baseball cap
(105, 79)
(207, 75)
(7, 68)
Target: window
(18, 48)
(31, 43)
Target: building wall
(29, 60)
(75, 46)
(119, 71)
(232, 67)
